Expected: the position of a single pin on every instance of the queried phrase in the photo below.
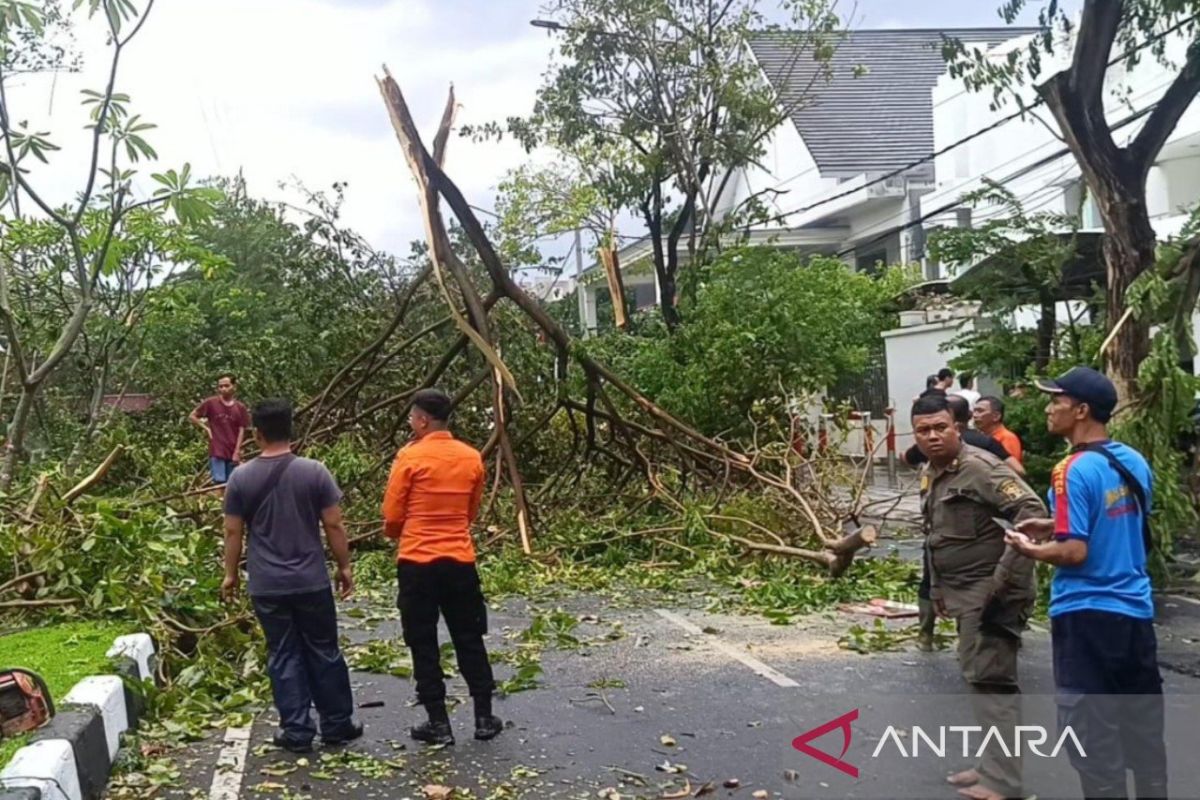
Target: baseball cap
(1087, 386)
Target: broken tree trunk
(441, 254)
(616, 286)
(660, 427)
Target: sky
(284, 91)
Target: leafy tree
(283, 305)
(766, 327)
(107, 354)
(653, 108)
(95, 225)
(1031, 251)
(41, 38)
(1108, 31)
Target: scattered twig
(48, 603)
(97, 475)
(17, 581)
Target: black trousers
(305, 663)
(450, 589)
(1110, 693)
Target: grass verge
(61, 655)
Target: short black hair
(944, 373)
(230, 375)
(930, 381)
(965, 378)
(435, 403)
(996, 403)
(960, 408)
(273, 419)
(930, 403)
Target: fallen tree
(639, 436)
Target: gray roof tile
(877, 122)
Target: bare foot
(968, 777)
(978, 792)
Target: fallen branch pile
(612, 422)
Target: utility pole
(580, 289)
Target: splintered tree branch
(419, 161)
(637, 440)
(97, 475)
(478, 329)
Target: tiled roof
(882, 119)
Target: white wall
(1020, 143)
(1183, 182)
(912, 355)
(787, 167)
(883, 215)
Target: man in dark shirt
(962, 416)
(284, 500)
(945, 378)
(224, 420)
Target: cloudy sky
(284, 89)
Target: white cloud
(281, 88)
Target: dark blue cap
(1087, 386)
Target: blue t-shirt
(1090, 501)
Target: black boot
(488, 727)
(284, 742)
(487, 724)
(927, 618)
(436, 730)
(345, 736)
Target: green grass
(61, 654)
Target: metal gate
(866, 390)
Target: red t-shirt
(224, 421)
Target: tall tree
(1108, 31)
(93, 225)
(659, 104)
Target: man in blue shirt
(1101, 609)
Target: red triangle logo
(801, 743)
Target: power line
(1018, 174)
(1019, 156)
(982, 131)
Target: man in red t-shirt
(225, 420)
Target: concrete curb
(71, 757)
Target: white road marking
(231, 764)
(774, 676)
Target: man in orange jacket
(432, 497)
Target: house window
(872, 262)
(1078, 200)
(643, 295)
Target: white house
(873, 117)
(1027, 156)
(547, 285)
(892, 104)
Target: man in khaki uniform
(985, 586)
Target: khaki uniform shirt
(969, 562)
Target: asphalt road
(658, 703)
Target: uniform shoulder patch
(1010, 489)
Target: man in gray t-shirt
(282, 501)
(284, 554)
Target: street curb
(71, 757)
